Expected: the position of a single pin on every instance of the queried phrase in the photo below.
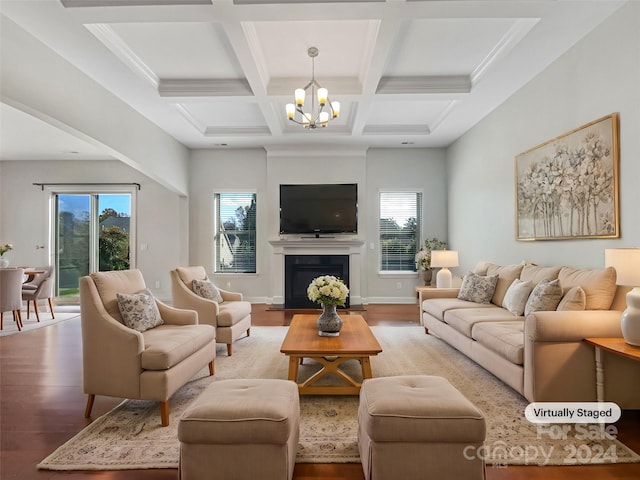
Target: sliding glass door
(93, 232)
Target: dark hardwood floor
(42, 406)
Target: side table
(613, 345)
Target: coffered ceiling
(218, 73)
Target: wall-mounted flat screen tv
(319, 208)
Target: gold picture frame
(567, 188)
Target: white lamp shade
(291, 110)
(626, 261)
(299, 95)
(323, 94)
(444, 258)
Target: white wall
(257, 170)
(24, 214)
(600, 75)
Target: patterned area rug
(130, 436)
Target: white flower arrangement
(328, 290)
(5, 248)
(423, 257)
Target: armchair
(123, 362)
(231, 318)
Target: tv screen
(321, 208)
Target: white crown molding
(193, 121)
(204, 87)
(238, 131)
(129, 3)
(424, 84)
(396, 130)
(121, 50)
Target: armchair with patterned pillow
(226, 311)
(135, 346)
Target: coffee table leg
(293, 368)
(366, 367)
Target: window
(400, 218)
(235, 237)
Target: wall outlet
(399, 285)
(157, 283)
(228, 284)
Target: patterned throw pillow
(574, 299)
(206, 289)
(478, 288)
(545, 297)
(139, 310)
(516, 297)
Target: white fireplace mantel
(316, 246)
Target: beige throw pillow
(574, 299)
(477, 288)
(206, 289)
(544, 297)
(139, 310)
(516, 297)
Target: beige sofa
(542, 356)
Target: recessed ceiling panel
(343, 45)
(226, 113)
(406, 112)
(181, 50)
(445, 46)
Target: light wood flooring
(42, 406)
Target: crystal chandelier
(321, 113)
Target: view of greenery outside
(236, 237)
(113, 242)
(398, 244)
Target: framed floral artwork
(567, 187)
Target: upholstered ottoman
(418, 427)
(241, 430)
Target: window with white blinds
(400, 219)
(235, 237)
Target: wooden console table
(614, 345)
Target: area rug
(10, 328)
(130, 436)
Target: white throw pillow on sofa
(545, 297)
(516, 297)
(478, 288)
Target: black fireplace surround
(300, 270)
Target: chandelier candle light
(320, 114)
(328, 291)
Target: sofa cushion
(117, 281)
(535, 273)
(464, 319)
(599, 285)
(574, 299)
(504, 338)
(478, 288)
(545, 297)
(167, 345)
(516, 297)
(436, 307)
(206, 289)
(139, 310)
(231, 313)
(506, 275)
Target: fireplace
(299, 270)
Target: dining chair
(10, 294)
(41, 287)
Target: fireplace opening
(300, 270)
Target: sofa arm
(427, 293)
(177, 316)
(572, 326)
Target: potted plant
(328, 291)
(423, 258)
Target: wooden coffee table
(356, 341)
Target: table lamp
(626, 261)
(444, 259)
